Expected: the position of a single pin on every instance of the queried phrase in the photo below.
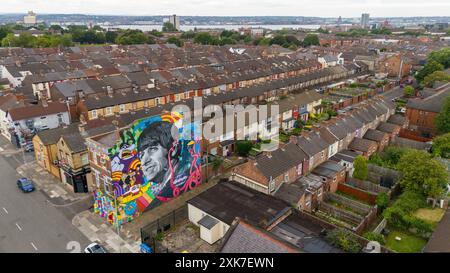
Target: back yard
(408, 242)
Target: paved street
(29, 222)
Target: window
(272, 185)
(94, 113)
(108, 111)
(60, 118)
(85, 159)
(94, 157)
(122, 108)
(286, 177)
(145, 104)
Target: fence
(355, 206)
(366, 196)
(380, 226)
(344, 215)
(379, 174)
(150, 231)
(405, 133)
(410, 143)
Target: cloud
(321, 8)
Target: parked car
(25, 185)
(95, 248)
(29, 147)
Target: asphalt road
(28, 223)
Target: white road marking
(17, 225)
(5, 210)
(35, 248)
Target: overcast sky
(321, 8)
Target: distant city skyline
(315, 8)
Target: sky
(319, 8)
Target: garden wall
(360, 194)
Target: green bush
(243, 147)
(343, 239)
(372, 236)
(400, 214)
(382, 201)
(361, 168)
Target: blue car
(25, 185)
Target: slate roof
(375, 135)
(328, 169)
(387, 127)
(75, 142)
(52, 136)
(397, 119)
(432, 103)
(245, 238)
(32, 111)
(440, 239)
(208, 222)
(228, 200)
(291, 192)
(361, 144)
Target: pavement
(92, 226)
(58, 193)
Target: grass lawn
(431, 215)
(409, 243)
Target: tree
(430, 67)
(111, 36)
(188, 35)
(436, 76)
(264, 42)
(441, 146)
(422, 174)
(131, 37)
(243, 147)
(441, 56)
(382, 201)
(56, 28)
(4, 31)
(227, 41)
(156, 33)
(443, 118)
(175, 40)
(361, 168)
(324, 31)
(203, 38)
(409, 91)
(311, 39)
(278, 40)
(168, 27)
(247, 39)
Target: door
(80, 183)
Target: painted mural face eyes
(154, 162)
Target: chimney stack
(82, 128)
(293, 139)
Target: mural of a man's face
(153, 160)
(154, 144)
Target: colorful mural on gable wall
(150, 167)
